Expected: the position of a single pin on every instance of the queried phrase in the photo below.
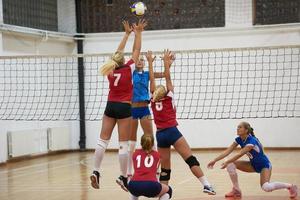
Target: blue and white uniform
(140, 93)
(257, 156)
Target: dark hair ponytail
(251, 131)
(249, 128)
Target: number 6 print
(159, 106)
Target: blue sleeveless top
(140, 86)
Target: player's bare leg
(268, 186)
(165, 154)
(182, 147)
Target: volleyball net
(209, 84)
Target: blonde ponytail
(147, 142)
(159, 92)
(116, 60)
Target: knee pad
(170, 192)
(192, 161)
(131, 145)
(123, 147)
(231, 168)
(102, 143)
(267, 187)
(165, 174)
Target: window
(276, 11)
(40, 14)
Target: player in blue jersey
(140, 101)
(259, 163)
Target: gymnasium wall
(238, 32)
(18, 44)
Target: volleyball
(138, 8)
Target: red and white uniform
(164, 112)
(145, 165)
(120, 83)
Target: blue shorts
(258, 167)
(148, 189)
(140, 112)
(167, 137)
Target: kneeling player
(144, 181)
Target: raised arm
(123, 42)
(137, 45)
(168, 60)
(150, 59)
(222, 155)
(242, 152)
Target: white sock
(165, 196)
(269, 187)
(130, 152)
(204, 181)
(132, 197)
(231, 169)
(123, 157)
(99, 153)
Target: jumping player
(118, 108)
(139, 107)
(162, 104)
(259, 163)
(144, 181)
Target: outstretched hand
(128, 29)
(211, 164)
(168, 58)
(137, 28)
(150, 57)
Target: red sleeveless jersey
(120, 83)
(145, 165)
(164, 112)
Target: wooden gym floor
(66, 176)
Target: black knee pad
(165, 174)
(170, 192)
(192, 161)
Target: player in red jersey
(167, 134)
(118, 108)
(144, 182)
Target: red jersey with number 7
(145, 165)
(120, 83)
(164, 112)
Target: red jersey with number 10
(145, 165)
(120, 83)
(164, 112)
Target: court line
(186, 180)
(31, 166)
(41, 171)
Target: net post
(82, 139)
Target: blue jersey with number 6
(256, 155)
